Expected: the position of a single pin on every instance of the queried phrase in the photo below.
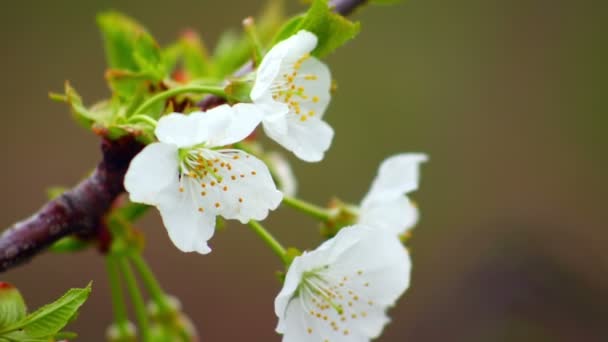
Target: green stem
(150, 282)
(254, 39)
(275, 245)
(308, 208)
(139, 304)
(189, 88)
(143, 118)
(118, 299)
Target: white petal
(227, 124)
(285, 52)
(384, 262)
(314, 77)
(290, 285)
(284, 173)
(308, 140)
(300, 326)
(364, 269)
(180, 130)
(188, 228)
(240, 186)
(152, 172)
(397, 176)
(396, 216)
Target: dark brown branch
(79, 210)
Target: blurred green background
(506, 97)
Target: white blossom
(341, 290)
(292, 88)
(386, 205)
(191, 177)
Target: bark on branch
(78, 210)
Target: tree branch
(81, 210)
(78, 210)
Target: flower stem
(254, 39)
(138, 300)
(143, 118)
(150, 282)
(308, 208)
(189, 88)
(265, 235)
(118, 299)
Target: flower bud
(124, 333)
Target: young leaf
(195, 56)
(332, 30)
(82, 114)
(69, 244)
(51, 318)
(128, 45)
(134, 57)
(12, 307)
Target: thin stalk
(118, 300)
(254, 39)
(150, 282)
(265, 235)
(139, 304)
(189, 88)
(308, 208)
(143, 118)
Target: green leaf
(83, 115)
(127, 43)
(12, 306)
(288, 29)
(66, 335)
(69, 244)
(132, 54)
(131, 211)
(51, 318)
(195, 57)
(332, 30)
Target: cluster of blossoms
(195, 173)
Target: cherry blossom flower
(386, 205)
(292, 88)
(191, 177)
(341, 290)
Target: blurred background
(507, 98)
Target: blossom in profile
(386, 205)
(342, 290)
(191, 175)
(292, 89)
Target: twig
(78, 210)
(81, 210)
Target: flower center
(333, 301)
(291, 89)
(210, 178)
(197, 163)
